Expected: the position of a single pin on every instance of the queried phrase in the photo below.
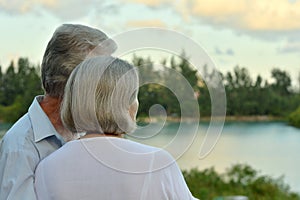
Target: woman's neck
(93, 135)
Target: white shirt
(25, 144)
(109, 168)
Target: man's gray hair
(98, 96)
(69, 46)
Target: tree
(1, 86)
(242, 77)
(238, 86)
(299, 82)
(148, 93)
(17, 89)
(184, 68)
(258, 82)
(282, 81)
(187, 71)
(9, 86)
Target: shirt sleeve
(17, 175)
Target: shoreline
(255, 118)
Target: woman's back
(109, 168)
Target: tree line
(19, 84)
(246, 96)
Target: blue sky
(256, 34)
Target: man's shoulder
(18, 135)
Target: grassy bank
(257, 118)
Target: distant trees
(158, 92)
(18, 86)
(245, 96)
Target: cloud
(254, 15)
(152, 3)
(21, 6)
(228, 52)
(218, 51)
(146, 23)
(290, 48)
(65, 10)
(275, 20)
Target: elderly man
(40, 131)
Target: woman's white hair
(98, 95)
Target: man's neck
(51, 106)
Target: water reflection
(270, 147)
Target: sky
(257, 34)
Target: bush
(13, 112)
(238, 180)
(294, 118)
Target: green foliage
(282, 81)
(12, 112)
(17, 89)
(245, 97)
(294, 118)
(19, 84)
(237, 180)
(156, 92)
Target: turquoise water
(271, 147)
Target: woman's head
(101, 96)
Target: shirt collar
(41, 125)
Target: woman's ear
(133, 108)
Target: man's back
(25, 144)
(17, 161)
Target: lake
(271, 147)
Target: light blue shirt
(26, 143)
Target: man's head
(68, 47)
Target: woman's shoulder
(145, 148)
(161, 158)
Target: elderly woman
(101, 101)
